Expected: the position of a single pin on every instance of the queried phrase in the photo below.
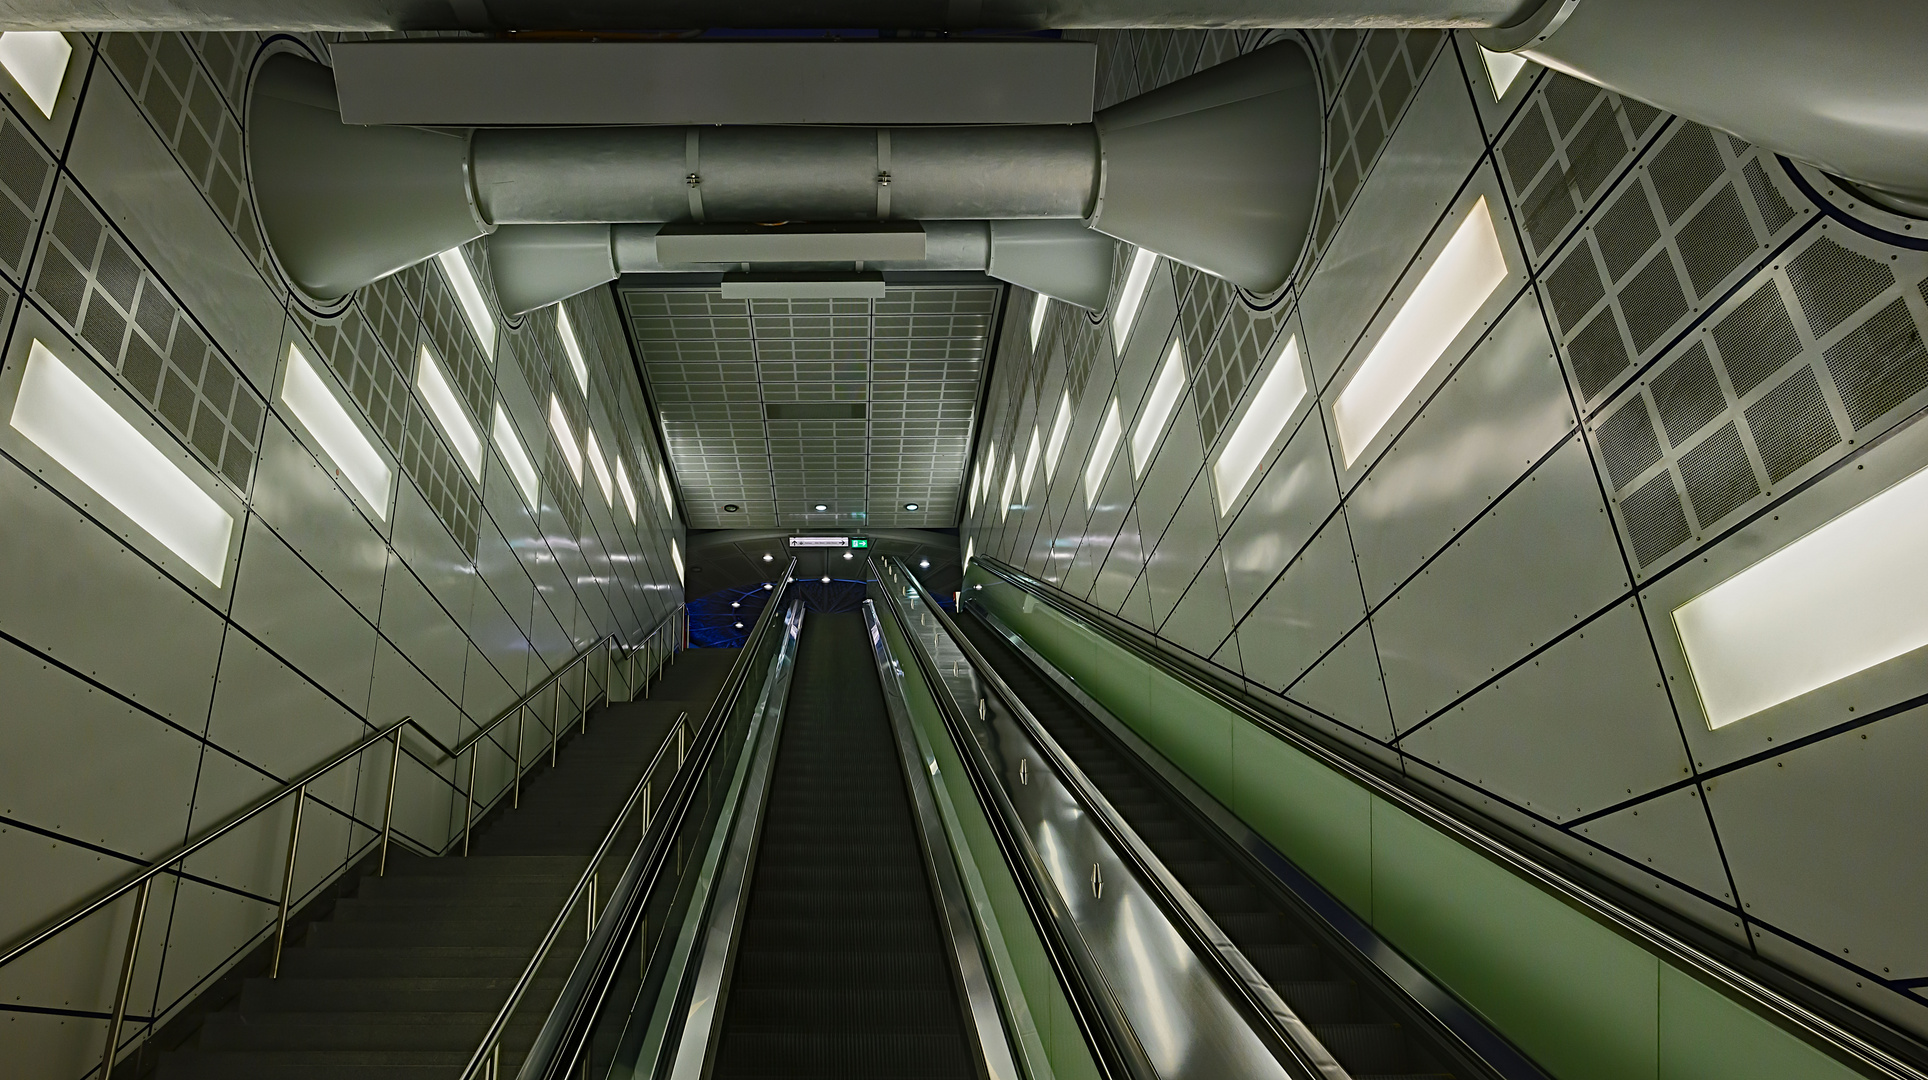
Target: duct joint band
(883, 174)
(692, 162)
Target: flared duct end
(536, 265)
(1220, 170)
(343, 206)
(1058, 258)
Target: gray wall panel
(1167, 479)
(1347, 685)
(48, 712)
(1568, 732)
(1122, 565)
(1203, 618)
(1314, 604)
(1288, 504)
(413, 622)
(271, 717)
(1414, 182)
(119, 159)
(306, 508)
(282, 603)
(1530, 569)
(1824, 842)
(1671, 834)
(1490, 422)
(1188, 542)
(92, 603)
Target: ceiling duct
(1218, 170)
(1840, 85)
(537, 265)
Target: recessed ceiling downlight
(910, 506)
(821, 507)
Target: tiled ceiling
(910, 365)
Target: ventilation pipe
(1840, 85)
(536, 265)
(1219, 170)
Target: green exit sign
(860, 541)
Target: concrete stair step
(447, 961)
(363, 935)
(312, 1064)
(408, 993)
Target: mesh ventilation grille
(1879, 365)
(1687, 395)
(1718, 476)
(1627, 444)
(1833, 283)
(1655, 522)
(1756, 339)
(1791, 425)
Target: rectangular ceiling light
(517, 458)
(629, 493)
(977, 481)
(559, 426)
(309, 398)
(676, 556)
(1158, 408)
(1060, 428)
(600, 467)
(669, 500)
(37, 60)
(970, 548)
(1030, 467)
(469, 295)
(1501, 69)
(58, 412)
(1039, 309)
(1132, 296)
(1452, 291)
(1109, 433)
(448, 412)
(1277, 399)
(570, 346)
(1838, 601)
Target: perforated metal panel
(914, 360)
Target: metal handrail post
(515, 801)
(388, 810)
(126, 987)
(468, 815)
(582, 703)
(288, 881)
(609, 673)
(555, 723)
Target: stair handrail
(1491, 838)
(488, 1051)
(566, 1026)
(141, 882)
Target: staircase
(401, 980)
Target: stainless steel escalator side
(996, 1055)
(1173, 989)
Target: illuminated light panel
(1030, 467)
(58, 412)
(601, 467)
(1109, 432)
(316, 407)
(567, 332)
(1060, 428)
(1502, 69)
(448, 412)
(517, 458)
(37, 60)
(1158, 408)
(1039, 310)
(1010, 488)
(1466, 272)
(1277, 399)
(629, 493)
(1838, 601)
(970, 545)
(1132, 296)
(669, 500)
(676, 557)
(469, 295)
(977, 481)
(559, 427)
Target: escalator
(840, 967)
(1326, 988)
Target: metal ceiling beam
(631, 16)
(465, 83)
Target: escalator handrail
(1116, 1048)
(1491, 838)
(1278, 1025)
(558, 1043)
